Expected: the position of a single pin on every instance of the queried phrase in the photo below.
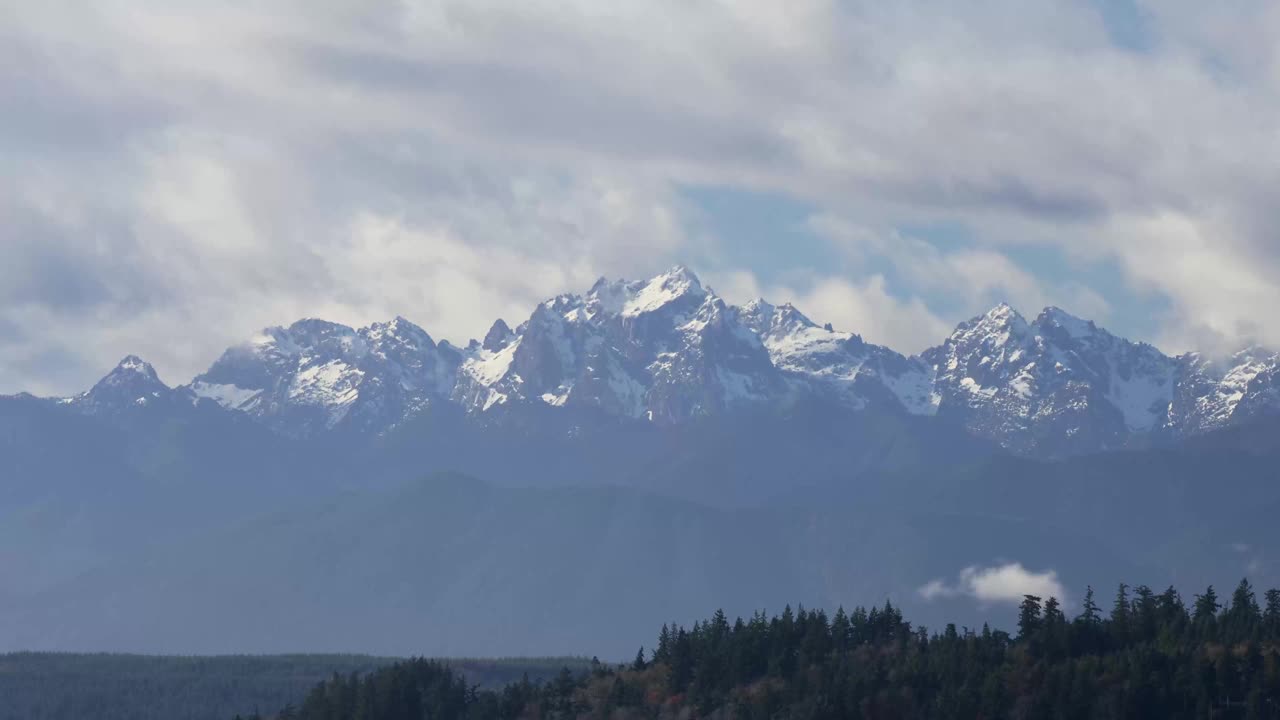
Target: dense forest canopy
(1152, 655)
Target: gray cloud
(178, 174)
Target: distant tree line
(1153, 655)
(103, 686)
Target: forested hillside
(103, 686)
(1152, 655)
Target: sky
(176, 175)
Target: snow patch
(915, 389)
(488, 368)
(1141, 397)
(557, 399)
(333, 384)
(660, 291)
(229, 396)
(973, 388)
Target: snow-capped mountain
(1055, 385)
(840, 364)
(668, 349)
(665, 350)
(1213, 393)
(316, 375)
(131, 384)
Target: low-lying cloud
(997, 584)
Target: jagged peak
(289, 338)
(713, 311)
(632, 298)
(661, 290)
(398, 328)
(135, 364)
(1002, 311)
(1078, 328)
(1004, 315)
(758, 316)
(680, 274)
(758, 306)
(1075, 327)
(498, 337)
(789, 313)
(1001, 319)
(307, 332)
(132, 375)
(314, 324)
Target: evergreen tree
(1090, 612)
(1271, 616)
(1206, 607)
(1121, 615)
(1243, 615)
(1152, 663)
(1028, 617)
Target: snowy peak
(773, 321)
(315, 375)
(715, 363)
(668, 349)
(397, 333)
(1057, 385)
(133, 382)
(678, 283)
(1053, 319)
(994, 329)
(1216, 392)
(665, 348)
(757, 315)
(839, 365)
(133, 371)
(676, 287)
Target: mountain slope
(453, 566)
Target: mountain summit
(668, 350)
(132, 383)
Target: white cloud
(998, 584)
(935, 589)
(971, 279)
(219, 166)
(866, 307)
(212, 237)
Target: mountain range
(619, 459)
(669, 350)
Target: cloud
(213, 236)
(1253, 560)
(998, 584)
(177, 174)
(969, 278)
(937, 588)
(867, 307)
